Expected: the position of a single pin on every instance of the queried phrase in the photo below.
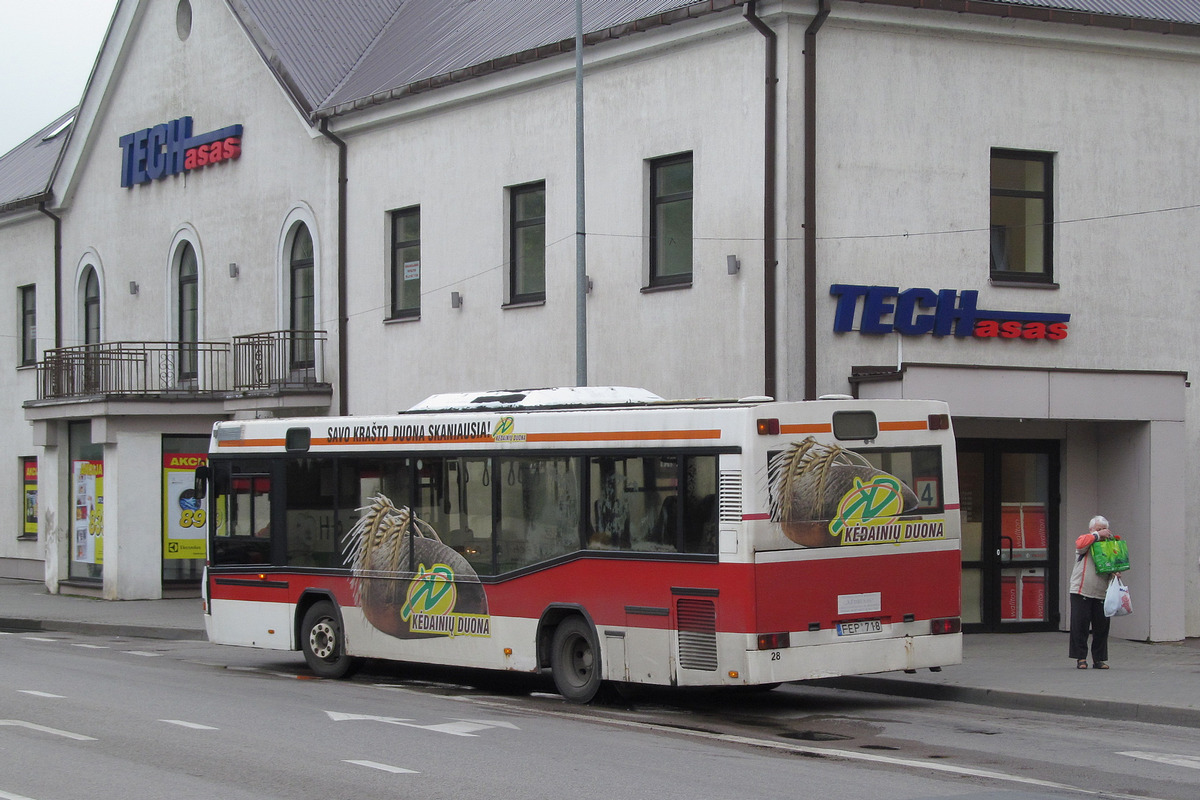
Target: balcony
(263, 364)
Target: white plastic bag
(1116, 599)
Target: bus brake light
(768, 427)
(946, 625)
(774, 641)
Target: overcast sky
(47, 49)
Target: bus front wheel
(575, 660)
(324, 643)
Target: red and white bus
(602, 533)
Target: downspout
(57, 274)
(810, 199)
(770, 258)
(343, 318)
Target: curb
(104, 628)
(1104, 709)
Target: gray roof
(27, 170)
(372, 51)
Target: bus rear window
(919, 468)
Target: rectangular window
(527, 243)
(28, 325)
(406, 263)
(29, 479)
(1022, 216)
(671, 220)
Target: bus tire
(575, 660)
(324, 642)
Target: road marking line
(141, 653)
(38, 639)
(384, 767)
(79, 737)
(185, 724)
(90, 646)
(6, 796)
(40, 694)
(849, 755)
(1192, 762)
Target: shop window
(527, 243)
(671, 220)
(405, 275)
(29, 482)
(1022, 210)
(28, 298)
(302, 317)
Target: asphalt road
(117, 717)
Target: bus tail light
(946, 625)
(768, 427)
(774, 641)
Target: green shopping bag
(1110, 555)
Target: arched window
(188, 310)
(91, 307)
(302, 319)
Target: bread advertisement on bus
(408, 583)
(828, 496)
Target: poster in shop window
(31, 486)
(88, 522)
(185, 518)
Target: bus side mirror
(203, 473)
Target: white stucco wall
(455, 151)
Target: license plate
(855, 628)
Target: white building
(793, 198)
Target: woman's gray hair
(1098, 520)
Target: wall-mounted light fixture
(133, 287)
(234, 270)
(456, 300)
(732, 265)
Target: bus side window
(243, 533)
(700, 502)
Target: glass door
(1009, 501)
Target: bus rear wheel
(575, 660)
(324, 643)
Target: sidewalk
(1148, 682)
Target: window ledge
(523, 304)
(31, 365)
(397, 320)
(27, 538)
(1005, 283)
(666, 287)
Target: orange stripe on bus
(621, 436)
(251, 443)
(911, 425)
(817, 427)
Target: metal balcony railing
(134, 369)
(262, 363)
(278, 360)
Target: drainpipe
(57, 274)
(810, 200)
(343, 317)
(770, 258)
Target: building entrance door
(1009, 495)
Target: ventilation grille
(731, 495)
(697, 633)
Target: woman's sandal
(1100, 665)
(1081, 664)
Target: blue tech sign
(170, 148)
(949, 312)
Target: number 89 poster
(185, 518)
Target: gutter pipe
(770, 257)
(810, 199)
(343, 317)
(58, 323)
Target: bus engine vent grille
(731, 495)
(697, 621)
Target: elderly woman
(1087, 599)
